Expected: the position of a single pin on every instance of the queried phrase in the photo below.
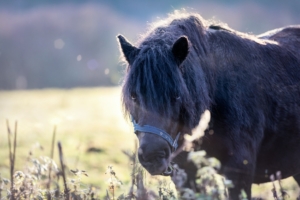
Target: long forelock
(155, 80)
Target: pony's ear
(180, 49)
(129, 51)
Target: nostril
(162, 154)
(145, 156)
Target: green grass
(85, 118)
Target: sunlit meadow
(90, 126)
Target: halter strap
(156, 131)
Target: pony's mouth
(168, 171)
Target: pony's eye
(178, 98)
(133, 96)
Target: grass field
(86, 119)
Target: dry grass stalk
(51, 157)
(66, 190)
(12, 155)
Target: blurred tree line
(72, 43)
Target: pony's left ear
(129, 51)
(180, 49)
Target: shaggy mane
(156, 70)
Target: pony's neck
(229, 48)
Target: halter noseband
(156, 131)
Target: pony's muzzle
(154, 153)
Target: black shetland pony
(250, 84)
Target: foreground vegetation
(97, 151)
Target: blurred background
(66, 44)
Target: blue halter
(156, 131)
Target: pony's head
(157, 95)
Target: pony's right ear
(129, 51)
(180, 49)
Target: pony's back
(289, 37)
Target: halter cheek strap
(156, 131)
